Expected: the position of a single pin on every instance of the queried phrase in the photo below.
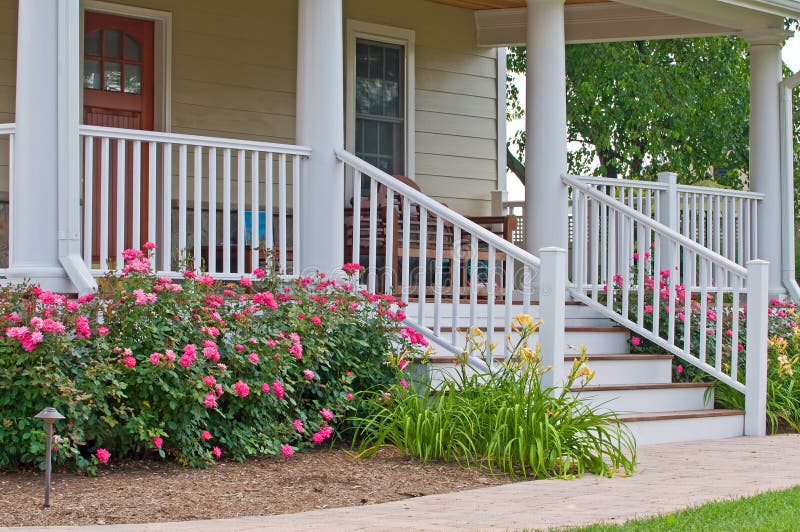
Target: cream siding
(234, 69)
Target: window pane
(133, 79)
(362, 60)
(376, 62)
(112, 43)
(393, 64)
(111, 76)
(391, 98)
(386, 138)
(370, 136)
(133, 51)
(91, 74)
(385, 164)
(91, 43)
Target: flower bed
(192, 370)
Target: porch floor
(669, 477)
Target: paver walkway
(669, 477)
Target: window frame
(355, 30)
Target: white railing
(398, 234)
(7, 135)
(517, 208)
(222, 205)
(721, 220)
(670, 290)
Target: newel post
(669, 215)
(552, 292)
(755, 404)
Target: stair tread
(501, 328)
(655, 386)
(679, 414)
(620, 356)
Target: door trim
(356, 29)
(162, 54)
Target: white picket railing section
(208, 203)
(398, 233)
(7, 134)
(619, 252)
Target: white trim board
(162, 54)
(356, 29)
(502, 173)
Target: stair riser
(690, 429)
(596, 342)
(575, 315)
(612, 372)
(650, 400)
(607, 372)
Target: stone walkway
(669, 477)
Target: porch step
(687, 425)
(576, 314)
(640, 398)
(594, 339)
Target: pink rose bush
(154, 365)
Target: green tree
(641, 107)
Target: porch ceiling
(502, 4)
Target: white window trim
(356, 29)
(162, 54)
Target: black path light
(49, 415)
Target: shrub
(190, 370)
(504, 419)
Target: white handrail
(711, 191)
(435, 207)
(613, 270)
(194, 140)
(402, 225)
(8, 129)
(610, 181)
(704, 252)
(174, 190)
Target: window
(380, 96)
(112, 62)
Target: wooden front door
(118, 81)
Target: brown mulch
(150, 491)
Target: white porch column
(765, 156)
(320, 124)
(45, 194)
(545, 127)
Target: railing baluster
(226, 211)
(406, 248)
(455, 285)
(627, 251)
(183, 177)
(674, 272)
(737, 284)
(136, 214)
(490, 300)
(241, 205)
(255, 209)
(166, 202)
(88, 198)
(473, 278)
(437, 288)
(356, 257)
(296, 189)
(656, 283)
(373, 235)
(120, 240)
(152, 189)
(389, 255)
(212, 210)
(509, 301)
(596, 253)
(269, 207)
(422, 266)
(197, 208)
(282, 243)
(640, 273)
(719, 318)
(703, 308)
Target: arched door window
(112, 61)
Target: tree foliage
(638, 108)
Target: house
(220, 129)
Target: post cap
(49, 415)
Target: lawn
(777, 510)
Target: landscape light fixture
(49, 415)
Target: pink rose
(130, 361)
(155, 358)
(217, 452)
(326, 414)
(287, 450)
(158, 441)
(242, 389)
(636, 340)
(308, 374)
(253, 358)
(102, 455)
(206, 435)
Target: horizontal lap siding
(456, 100)
(234, 72)
(8, 78)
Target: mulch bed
(151, 491)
